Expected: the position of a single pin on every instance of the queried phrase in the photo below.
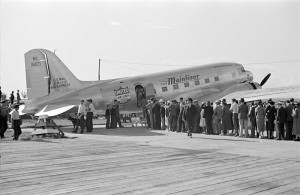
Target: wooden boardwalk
(150, 164)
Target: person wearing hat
(180, 123)
(208, 114)
(15, 118)
(156, 116)
(271, 116)
(188, 116)
(107, 116)
(90, 109)
(243, 117)
(234, 109)
(163, 114)
(288, 121)
(80, 117)
(150, 106)
(226, 119)
(280, 118)
(173, 109)
(218, 117)
(12, 97)
(260, 114)
(197, 117)
(3, 117)
(252, 117)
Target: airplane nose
(249, 75)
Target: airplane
(53, 89)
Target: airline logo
(57, 83)
(180, 79)
(122, 94)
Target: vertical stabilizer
(46, 74)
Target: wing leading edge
(281, 93)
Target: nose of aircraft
(249, 75)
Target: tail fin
(46, 74)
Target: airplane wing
(277, 94)
(202, 94)
(53, 110)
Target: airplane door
(150, 91)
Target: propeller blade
(265, 79)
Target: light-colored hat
(161, 100)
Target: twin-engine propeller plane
(53, 89)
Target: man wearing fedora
(271, 115)
(280, 117)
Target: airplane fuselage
(203, 83)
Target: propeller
(265, 79)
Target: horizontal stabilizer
(54, 111)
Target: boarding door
(150, 91)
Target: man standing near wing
(80, 117)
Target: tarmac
(136, 160)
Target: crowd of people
(222, 118)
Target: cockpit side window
(242, 69)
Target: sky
(139, 37)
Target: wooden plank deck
(166, 164)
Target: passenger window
(186, 84)
(164, 89)
(175, 86)
(197, 82)
(206, 80)
(217, 79)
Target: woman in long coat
(260, 114)
(296, 122)
(226, 119)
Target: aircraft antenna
(99, 70)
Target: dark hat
(292, 99)
(270, 100)
(90, 100)
(223, 100)
(16, 105)
(190, 99)
(242, 100)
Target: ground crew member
(15, 118)
(80, 117)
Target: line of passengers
(220, 118)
